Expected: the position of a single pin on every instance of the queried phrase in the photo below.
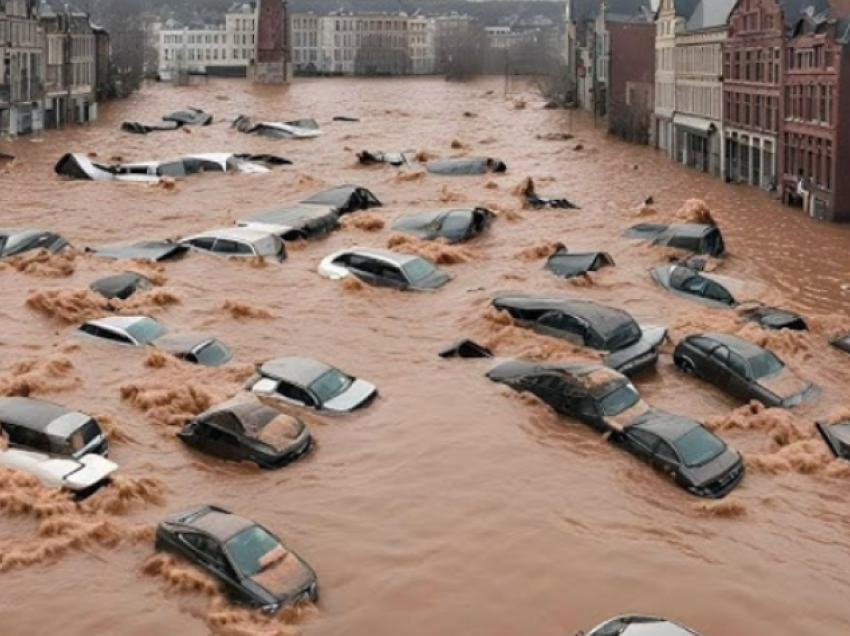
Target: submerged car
(299, 221)
(383, 268)
(248, 561)
(121, 286)
(141, 128)
(42, 426)
(238, 242)
(143, 250)
(454, 225)
(697, 238)
(18, 241)
(631, 347)
(297, 129)
(138, 331)
(80, 477)
(308, 382)
(637, 625)
(189, 117)
(568, 264)
(842, 343)
(466, 165)
(837, 437)
(248, 431)
(741, 369)
(371, 157)
(695, 458)
(345, 198)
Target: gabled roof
(794, 10)
(710, 14)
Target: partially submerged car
(79, 166)
(345, 198)
(568, 264)
(466, 165)
(140, 128)
(837, 437)
(143, 250)
(696, 238)
(238, 242)
(453, 224)
(695, 458)
(80, 477)
(190, 117)
(298, 129)
(842, 343)
(121, 286)
(630, 347)
(138, 331)
(248, 431)
(741, 369)
(43, 426)
(638, 625)
(248, 561)
(312, 383)
(539, 201)
(19, 241)
(383, 268)
(299, 221)
(368, 158)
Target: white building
(423, 44)
(305, 42)
(218, 50)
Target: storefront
(697, 144)
(751, 159)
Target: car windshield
(417, 269)
(268, 246)
(83, 435)
(330, 384)
(248, 548)
(457, 223)
(765, 365)
(698, 446)
(622, 398)
(18, 243)
(213, 353)
(146, 330)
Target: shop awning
(705, 126)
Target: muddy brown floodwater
(452, 505)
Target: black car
(251, 564)
(631, 347)
(695, 458)
(299, 221)
(121, 286)
(50, 428)
(454, 225)
(248, 431)
(638, 625)
(697, 238)
(741, 369)
(837, 437)
(345, 198)
(18, 241)
(568, 264)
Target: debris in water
(695, 211)
(68, 306)
(50, 374)
(245, 311)
(728, 508)
(42, 263)
(437, 251)
(367, 221)
(541, 250)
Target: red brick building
(631, 79)
(274, 50)
(815, 132)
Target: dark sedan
(251, 564)
(682, 448)
(631, 347)
(454, 225)
(14, 242)
(249, 431)
(741, 369)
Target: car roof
(118, 322)
(32, 413)
(604, 319)
(694, 230)
(182, 342)
(247, 234)
(667, 426)
(387, 255)
(292, 213)
(588, 378)
(13, 231)
(298, 369)
(221, 525)
(742, 347)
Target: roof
(667, 426)
(710, 14)
(685, 8)
(247, 234)
(394, 257)
(300, 370)
(32, 413)
(605, 320)
(221, 525)
(793, 10)
(118, 322)
(740, 346)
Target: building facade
(815, 131)
(21, 80)
(273, 61)
(698, 67)
(631, 80)
(423, 45)
(305, 43)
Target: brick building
(815, 131)
(631, 76)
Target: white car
(383, 268)
(239, 242)
(636, 625)
(79, 476)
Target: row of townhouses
(344, 43)
(54, 65)
(751, 91)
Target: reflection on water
(452, 504)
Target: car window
(562, 322)
(417, 269)
(695, 285)
(249, 547)
(665, 451)
(699, 446)
(203, 243)
(90, 329)
(703, 344)
(720, 355)
(85, 434)
(225, 246)
(716, 291)
(363, 264)
(393, 273)
(211, 354)
(28, 438)
(457, 223)
(345, 260)
(330, 384)
(108, 334)
(738, 365)
(224, 437)
(548, 383)
(146, 330)
(292, 392)
(620, 399)
(765, 364)
(645, 438)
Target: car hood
(433, 281)
(651, 339)
(711, 471)
(787, 386)
(92, 470)
(286, 577)
(357, 395)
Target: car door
(560, 325)
(665, 459)
(221, 442)
(363, 267)
(716, 368)
(209, 554)
(391, 276)
(295, 395)
(202, 243)
(739, 382)
(641, 443)
(589, 413)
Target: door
(391, 276)
(739, 383)
(716, 369)
(665, 459)
(642, 444)
(219, 442)
(294, 394)
(208, 553)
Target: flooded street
(452, 505)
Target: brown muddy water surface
(451, 505)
